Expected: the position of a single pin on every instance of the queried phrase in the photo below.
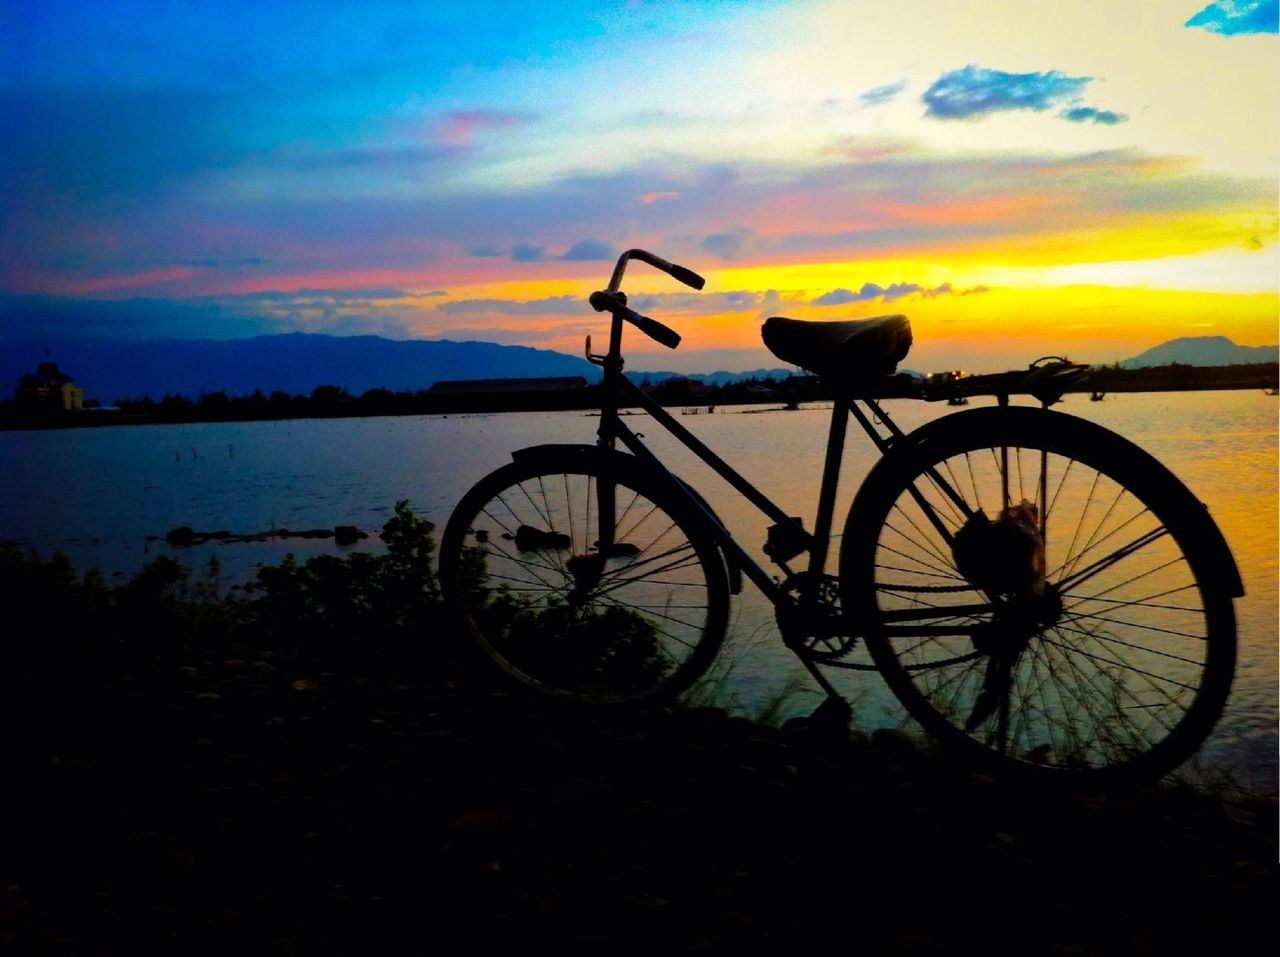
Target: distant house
(49, 387)
(683, 388)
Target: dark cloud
(209, 263)
(1087, 114)
(528, 253)
(1233, 17)
(589, 250)
(882, 94)
(732, 244)
(976, 91)
(58, 318)
(359, 311)
(485, 251)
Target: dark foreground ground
(238, 806)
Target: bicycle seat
(847, 352)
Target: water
(98, 494)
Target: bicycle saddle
(847, 351)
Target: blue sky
(468, 170)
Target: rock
(347, 535)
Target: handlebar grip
(654, 329)
(608, 302)
(687, 276)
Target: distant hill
(1202, 351)
(295, 363)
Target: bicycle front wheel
(1044, 596)
(582, 578)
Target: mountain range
(296, 363)
(1202, 351)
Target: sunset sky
(1020, 178)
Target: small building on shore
(49, 388)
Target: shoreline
(1099, 382)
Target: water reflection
(97, 494)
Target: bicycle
(1043, 596)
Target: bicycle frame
(620, 391)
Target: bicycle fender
(630, 464)
(1208, 540)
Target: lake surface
(98, 494)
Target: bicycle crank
(812, 623)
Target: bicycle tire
(530, 587)
(1115, 670)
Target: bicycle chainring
(813, 625)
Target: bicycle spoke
(1091, 660)
(1119, 554)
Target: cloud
(207, 317)
(698, 303)
(871, 290)
(870, 198)
(528, 253)
(976, 91)
(732, 244)
(648, 199)
(1087, 114)
(882, 94)
(589, 250)
(552, 305)
(1233, 17)
(345, 294)
(460, 127)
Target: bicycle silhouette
(1043, 596)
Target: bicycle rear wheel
(1043, 596)
(585, 580)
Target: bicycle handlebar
(608, 301)
(683, 274)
